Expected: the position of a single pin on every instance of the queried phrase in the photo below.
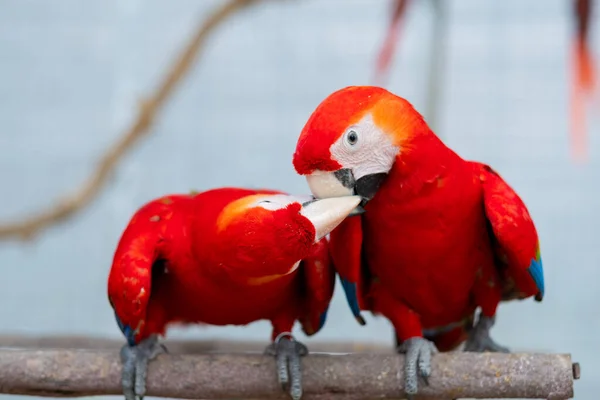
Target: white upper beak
(325, 184)
(327, 214)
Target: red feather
(514, 235)
(319, 283)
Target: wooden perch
(180, 346)
(69, 373)
(69, 205)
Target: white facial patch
(365, 149)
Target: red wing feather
(319, 278)
(515, 237)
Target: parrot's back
(171, 267)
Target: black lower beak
(346, 177)
(365, 187)
(359, 209)
(309, 201)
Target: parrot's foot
(135, 366)
(479, 338)
(288, 352)
(417, 362)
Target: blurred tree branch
(69, 205)
(69, 373)
(437, 64)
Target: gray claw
(417, 362)
(135, 361)
(287, 352)
(479, 338)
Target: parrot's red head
(352, 140)
(261, 237)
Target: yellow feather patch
(270, 278)
(398, 118)
(235, 208)
(264, 279)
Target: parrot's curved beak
(343, 183)
(327, 214)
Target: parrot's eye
(352, 138)
(269, 205)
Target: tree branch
(61, 373)
(69, 205)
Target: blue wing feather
(351, 297)
(127, 331)
(323, 318)
(536, 270)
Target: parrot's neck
(425, 160)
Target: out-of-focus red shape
(389, 44)
(583, 80)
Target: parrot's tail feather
(385, 54)
(585, 69)
(583, 81)
(389, 44)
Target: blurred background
(73, 74)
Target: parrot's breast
(428, 249)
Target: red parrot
(226, 256)
(435, 236)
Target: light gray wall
(71, 72)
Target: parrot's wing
(515, 238)
(346, 253)
(139, 251)
(319, 281)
